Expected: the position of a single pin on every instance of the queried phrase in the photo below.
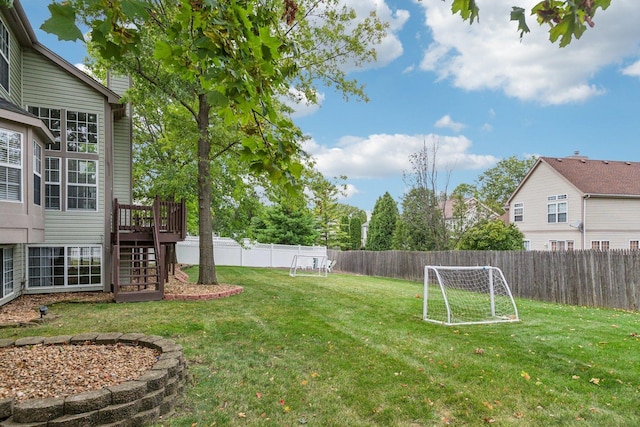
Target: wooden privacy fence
(590, 278)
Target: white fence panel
(229, 252)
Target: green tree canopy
(495, 185)
(419, 223)
(382, 224)
(227, 62)
(492, 236)
(285, 225)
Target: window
(6, 272)
(527, 245)
(10, 165)
(51, 118)
(82, 132)
(600, 245)
(634, 245)
(64, 266)
(557, 209)
(82, 184)
(518, 212)
(561, 245)
(52, 183)
(37, 174)
(4, 56)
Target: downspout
(584, 220)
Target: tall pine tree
(382, 224)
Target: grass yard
(353, 351)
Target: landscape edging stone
(140, 401)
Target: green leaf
(135, 9)
(163, 50)
(517, 14)
(62, 22)
(468, 9)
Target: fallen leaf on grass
(258, 395)
(488, 405)
(242, 415)
(478, 351)
(304, 382)
(524, 375)
(595, 381)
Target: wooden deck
(143, 243)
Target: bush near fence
(587, 277)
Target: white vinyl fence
(227, 251)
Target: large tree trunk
(207, 265)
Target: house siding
(46, 85)
(15, 68)
(533, 193)
(614, 220)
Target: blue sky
(478, 92)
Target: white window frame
(71, 266)
(553, 208)
(48, 182)
(85, 137)
(7, 278)
(54, 124)
(634, 244)
(5, 56)
(81, 185)
(526, 244)
(561, 245)
(518, 211)
(600, 245)
(37, 173)
(17, 164)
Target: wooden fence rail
(587, 278)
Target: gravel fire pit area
(142, 398)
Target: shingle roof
(9, 106)
(599, 176)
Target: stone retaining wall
(132, 403)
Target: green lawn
(353, 351)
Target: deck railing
(171, 217)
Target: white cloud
(390, 47)
(632, 70)
(490, 55)
(350, 191)
(447, 122)
(385, 156)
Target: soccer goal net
(467, 295)
(309, 265)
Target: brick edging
(212, 295)
(137, 402)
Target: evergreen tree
(285, 225)
(382, 224)
(355, 235)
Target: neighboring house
(65, 158)
(462, 214)
(576, 203)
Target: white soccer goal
(309, 265)
(467, 295)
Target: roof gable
(19, 23)
(598, 177)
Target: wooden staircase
(143, 247)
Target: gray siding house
(65, 172)
(575, 203)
